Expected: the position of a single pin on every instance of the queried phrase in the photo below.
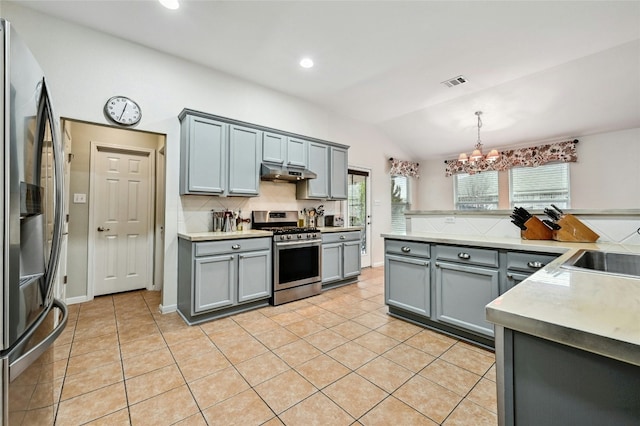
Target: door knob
(101, 229)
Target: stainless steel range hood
(274, 172)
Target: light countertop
(217, 236)
(596, 312)
(330, 229)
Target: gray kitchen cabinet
(319, 164)
(274, 148)
(297, 152)
(244, 160)
(202, 156)
(340, 256)
(330, 164)
(339, 170)
(219, 158)
(521, 265)
(462, 292)
(407, 276)
(217, 278)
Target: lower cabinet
(219, 277)
(340, 256)
(408, 283)
(462, 292)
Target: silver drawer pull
(510, 276)
(406, 249)
(342, 237)
(437, 265)
(535, 265)
(236, 246)
(464, 255)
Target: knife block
(573, 230)
(536, 230)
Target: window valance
(564, 152)
(404, 168)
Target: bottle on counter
(239, 221)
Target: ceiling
(539, 71)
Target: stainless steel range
(297, 255)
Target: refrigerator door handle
(19, 365)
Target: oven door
(297, 263)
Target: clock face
(122, 110)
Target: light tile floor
(334, 359)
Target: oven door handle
(298, 243)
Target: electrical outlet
(450, 219)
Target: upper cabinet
(330, 164)
(297, 153)
(218, 158)
(274, 148)
(202, 153)
(221, 156)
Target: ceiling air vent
(455, 81)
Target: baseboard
(378, 264)
(77, 299)
(167, 309)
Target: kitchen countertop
(596, 312)
(251, 233)
(217, 236)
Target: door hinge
(67, 218)
(70, 157)
(64, 280)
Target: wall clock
(123, 111)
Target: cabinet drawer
(340, 237)
(528, 262)
(409, 248)
(231, 246)
(467, 255)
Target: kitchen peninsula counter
(595, 312)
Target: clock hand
(122, 113)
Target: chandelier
(477, 155)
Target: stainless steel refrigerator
(31, 217)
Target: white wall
(85, 68)
(606, 176)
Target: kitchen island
(567, 341)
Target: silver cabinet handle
(236, 247)
(510, 276)
(535, 265)
(342, 237)
(101, 229)
(406, 249)
(437, 265)
(464, 255)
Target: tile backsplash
(194, 212)
(617, 228)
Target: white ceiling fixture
(170, 4)
(455, 81)
(477, 155)
(306, 63)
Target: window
(537, 187)
(476, 192)
(399, 202)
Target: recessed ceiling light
(306, 63)
(170, 4)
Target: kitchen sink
(624, 264)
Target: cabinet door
(244, 160)
(214, 282)
(254, 275)
(351, 259)
(338, 180)
(204, 144)
(407, 283)
(319, 164)
(274, 148)
(462, 292)
(331, 262)
(296, 152)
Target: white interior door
(121, 197)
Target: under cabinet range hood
(275, 172)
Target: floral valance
(404, 168)
(564, 152)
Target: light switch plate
(79, 198)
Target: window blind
(476, 192)
(538, 187)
